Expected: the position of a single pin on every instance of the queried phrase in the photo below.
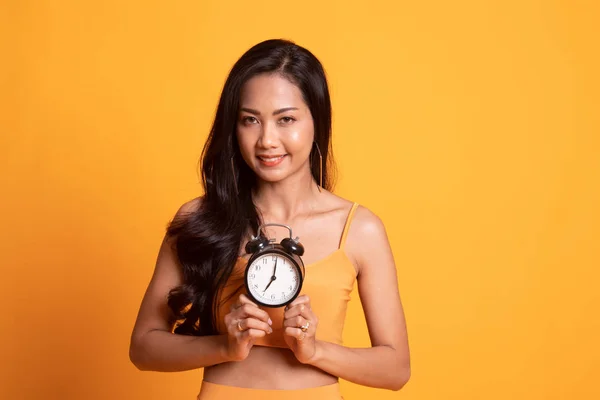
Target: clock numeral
(257, 268)
(283, 295)
(252, 276)
(265, 260)
(283, 262)
(274, 258)
(291, 287)
(272, 297)
(255, 286)
(295, 278)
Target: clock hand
(272, 277)
(271, 281)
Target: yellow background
(470, 127)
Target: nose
(269, 136)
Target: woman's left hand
(300, 325)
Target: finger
(239, 327)
(250, 334)
(303, 299)
(296, 322)
(242, 299)
(296, 333)
(305, 325)
(238, 303)
(250, 311)
(300, 309)
(252, 323)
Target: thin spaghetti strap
(347, 225)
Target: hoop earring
(234, 177)
(320, 167)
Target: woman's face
(275, 128)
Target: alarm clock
(275, 271)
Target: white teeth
(270, 159)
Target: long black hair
(207, 240)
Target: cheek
(246, 145)
(300, 140)
(247, 135)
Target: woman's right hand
(245, 323)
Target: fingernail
(270, 322)
(270, 331)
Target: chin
(270, 178)
(272, 175)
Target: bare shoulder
(366, 227)
(189, 207)
(367, 223)
(367, 237)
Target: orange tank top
(327, 282)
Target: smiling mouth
(271, 161)
(271, 158)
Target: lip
(276, 159)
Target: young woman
(268, 160)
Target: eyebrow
(276, 112)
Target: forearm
(168, 352)
(379, 366)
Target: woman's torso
(328, 282)
(268, 368)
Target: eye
(286, 120)
(248, 120)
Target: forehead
(271, 91)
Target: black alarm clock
(275, 271)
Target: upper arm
(154, 312)
(378, 282)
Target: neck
(285, 200)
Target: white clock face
(273, 279)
